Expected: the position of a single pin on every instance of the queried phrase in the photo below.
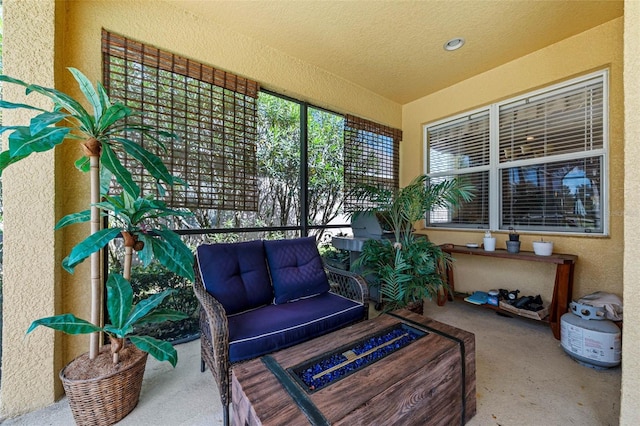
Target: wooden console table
(562, 288)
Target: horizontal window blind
(460, 144)
(538, 162)
(563, 121)
(460, 148)
(563, 195)
(472, 214)
(371, 157)
(212, 112)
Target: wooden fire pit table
(431, 381)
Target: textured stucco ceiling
(395, 48)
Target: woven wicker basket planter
(105, 400)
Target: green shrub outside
(154, 279)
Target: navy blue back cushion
(296, 269)
(236, 274)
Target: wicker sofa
(261, 296)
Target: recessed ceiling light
(454, 44)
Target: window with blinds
(371, 157)
(540, 165)
(460, 148)
(212, 112)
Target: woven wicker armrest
(349, 285)
(215, 347)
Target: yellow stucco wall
(73, 39)
(163, 25)
(630, 404)
(29, 365)
(600, 258)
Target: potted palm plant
(105, 388)
(407, 268)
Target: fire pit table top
(429, 381)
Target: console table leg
(562, 290)
(452, 288)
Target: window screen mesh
(212, 112)
(561, 122)
(371, 157)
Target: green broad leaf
(23, 143)
(7, 128)
(13, 105)
(83, 164)
(151, 133)
(118, 201)
(89, 92)
(173, 253)
(114, 209)
(129, 201)
(44, 120)
(150, 161)
(67, 323)
(73, 218)
(6, 159)
(65, 101)
(119, 299)
(117, 332)
(112, 115)
(162, 315)
(104, 97)
(160, 188)
(162, 351)
(89, 245)
(110, 160)
(166, 134)
(105, 180)
(146, 254)
(13, 80)
(181, 182)
(146, 306)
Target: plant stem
(128, 255)
(96, 284)
(129, 242)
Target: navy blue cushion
(275, 327)
(236, 274)
(296, 269)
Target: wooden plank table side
(562, 287)
(406, 386)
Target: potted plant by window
(408, 268)
(111, 390)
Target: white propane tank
(589, 338)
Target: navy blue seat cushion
(275, 327)
(296, 269)
(236, 274)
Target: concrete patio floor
(523, 378)
(180, 396)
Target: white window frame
(495, 166)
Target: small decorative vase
(489, 242)
(513, 246)
(543, 248)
